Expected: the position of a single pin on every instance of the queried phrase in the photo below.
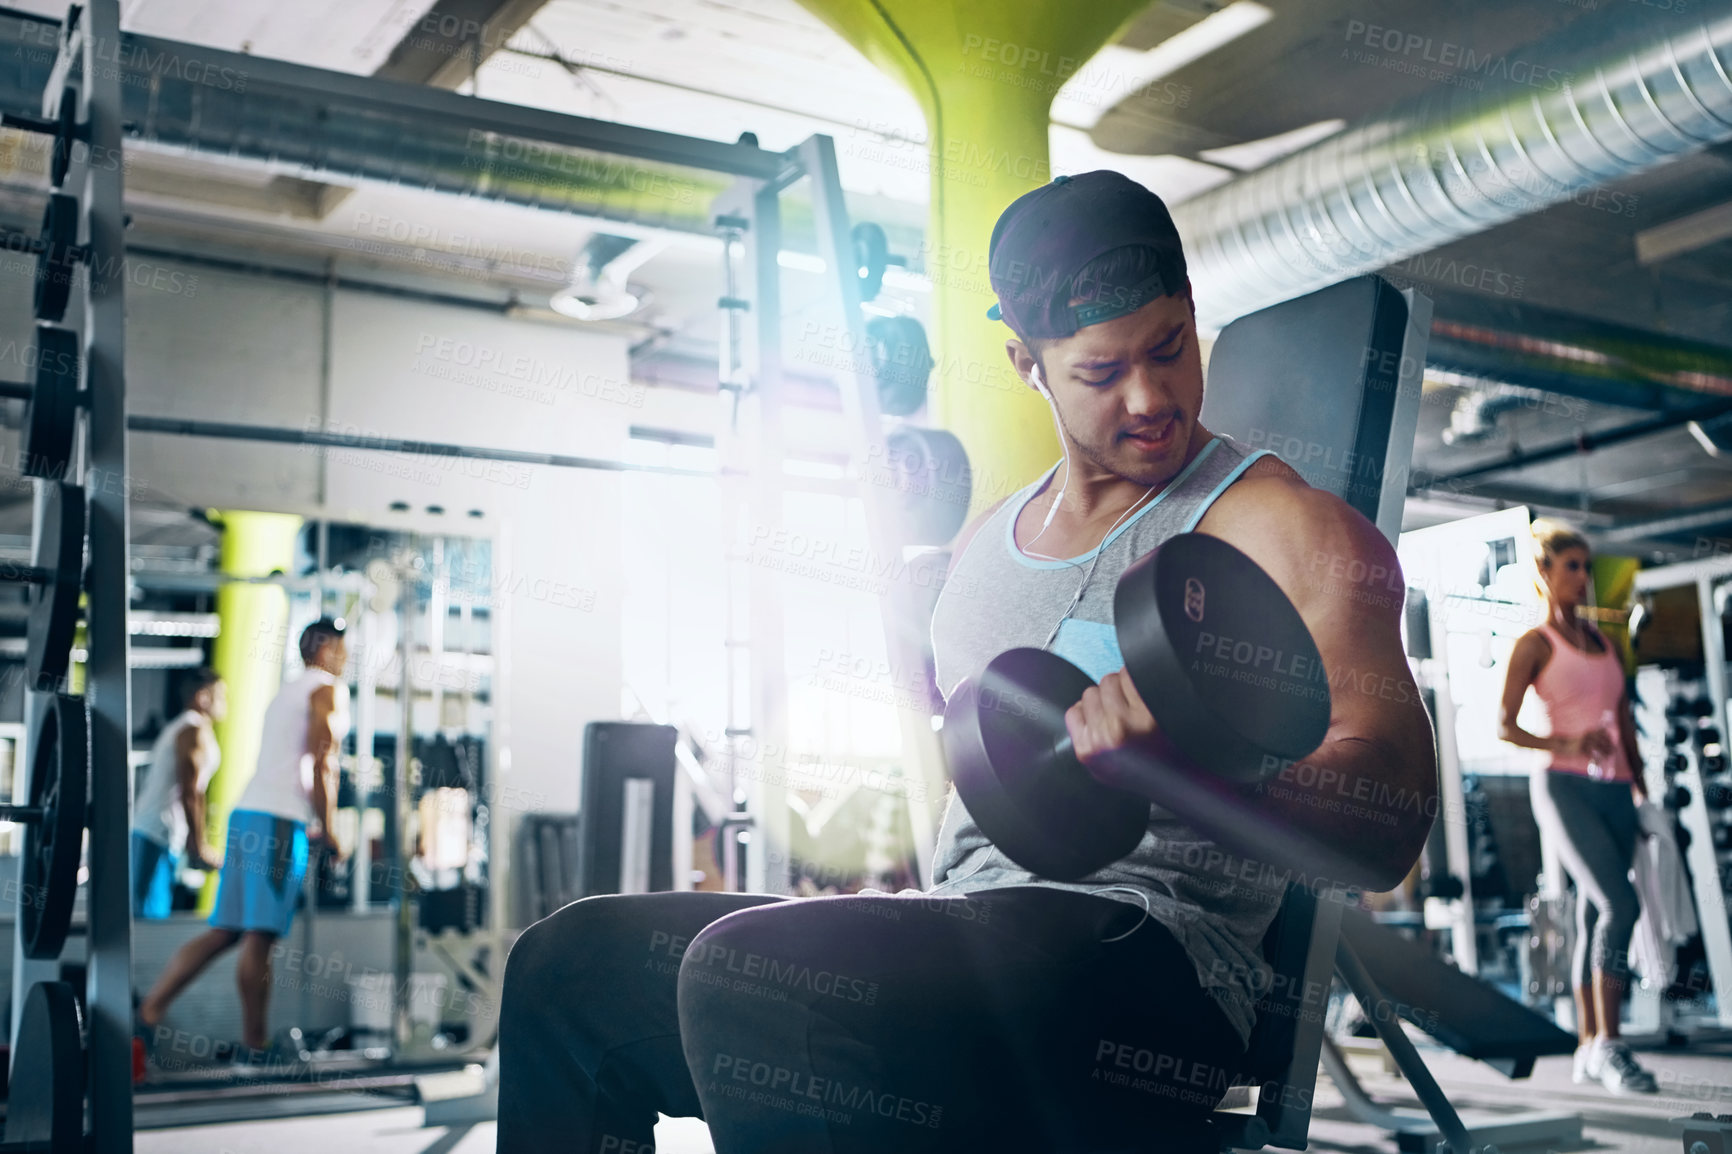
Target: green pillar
(984, 73)
(248, 653)
(1615, 588)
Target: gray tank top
(1217, 905)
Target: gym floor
(1690, 1080)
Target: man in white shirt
(168, 819)
(292, 796)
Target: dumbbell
(1676, 763)
(1716, 794)
(1680, 708)
(1230, 672)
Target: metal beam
(177, 426)
(383, 102)
(1680, 522)
(449, 44)
(108, 985)
(195, 96)
(1584, 442)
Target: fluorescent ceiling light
(1115, 73)
(1686, 234)
(1175, 178)
(896, 277)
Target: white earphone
(1040, 387)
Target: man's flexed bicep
(1370, 789)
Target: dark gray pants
(857, 1025)
(1593, 825)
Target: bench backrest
(1331, 383)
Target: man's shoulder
(968, 531)
(1300, 534)
(1269, 465)
(1266, 495)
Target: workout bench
(1331, 383)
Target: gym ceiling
(1650, 254)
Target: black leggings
(845, 1025)
(1594, 826)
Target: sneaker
(1622, 1074)
(1588, 1064)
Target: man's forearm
(194, 808)
(1304, 819)
(1362, 797)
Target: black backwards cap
(1050, 234)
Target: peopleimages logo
(1457, 64)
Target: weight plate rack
(71, 1068)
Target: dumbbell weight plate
(871, 256)
(933, 483)
(1221, 657)
(1013, 713)
(51, 413)
(45, 1099)
(54, 264)
(59, 783)
(901, 363)
(54, 607)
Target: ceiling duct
(1474, 417)
(1615, 96)
(1568, 355)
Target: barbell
(1229, 670)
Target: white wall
(518, 385)
(251, 349)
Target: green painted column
(248, 653)
(984, 73)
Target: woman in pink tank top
(1583, 800)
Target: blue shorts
(263, 867)
(153, 873)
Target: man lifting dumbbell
(1006, 1010)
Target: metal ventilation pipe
(1474, 417)
(1618, 96)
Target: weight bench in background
(1331, 382)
